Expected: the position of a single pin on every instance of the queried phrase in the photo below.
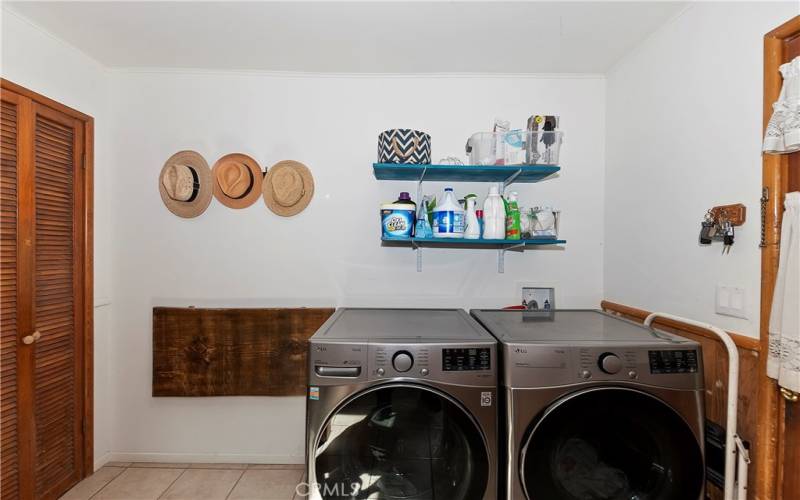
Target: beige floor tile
(139, 484)
(118, 464)
(92, 484)
(264, 484)
(218, 466)
(158, 465)
(203, 484)
(277, 466)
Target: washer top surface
(417, 325)
(568, 327)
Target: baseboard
(101, 461)
(193, 458)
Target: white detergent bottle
(473, 229)
(494, 216)
(448, 217)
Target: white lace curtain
(783, 363)
(783, 131)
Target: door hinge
(764, 200)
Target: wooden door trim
(775, 179)
(33, 100)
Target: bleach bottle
(448, 217)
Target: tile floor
(150, 481)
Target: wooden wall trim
(741, 341)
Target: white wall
(44, 64)
(683, 134)
(330, 254)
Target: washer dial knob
(610, 363)
(402, 361)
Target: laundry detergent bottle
(494, 216)
(448, 217)
(513, 226)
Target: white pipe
(741, 476)
(733, 395)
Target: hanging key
(705, 232)
(728, 238)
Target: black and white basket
(402, 145)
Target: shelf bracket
(419, 183)
(512, 178)
(501, 256)
(418, 248)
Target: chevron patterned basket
(402, 145)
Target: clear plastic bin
(516, 147)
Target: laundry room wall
(330, 254)
(684, 124)
(42, 63)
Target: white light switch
(731, 301)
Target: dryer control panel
(678, 367)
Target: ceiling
(355, 37)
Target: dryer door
(611, 444)
(401, 441)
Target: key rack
(505, 174)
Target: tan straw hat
(185, 184)
(288, 188)
(237, 180)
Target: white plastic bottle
(473, 229)
(448, 217)
(494, 216)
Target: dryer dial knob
(402, 361)
(610, 363)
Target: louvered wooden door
(46, 279)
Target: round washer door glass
(401, 442)
(612, 444)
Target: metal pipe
(733, 395)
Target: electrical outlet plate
(534, 295)
(731, 301)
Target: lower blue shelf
(478, 242)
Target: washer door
(401, 441)
(611, 444)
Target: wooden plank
(715, 364)
(232, 352)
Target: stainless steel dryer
(597, 407)
(402, 404)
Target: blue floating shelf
(478, 242)
(463, 173)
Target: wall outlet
(731, 301)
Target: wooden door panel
(58, 395)
(9, 441)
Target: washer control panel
(457, 360)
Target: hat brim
(308, 189)
(188, 209)
(255, 190)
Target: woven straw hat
(288, 188)
(185, 184)
(237, 180)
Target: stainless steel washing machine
(402, 405)
(597, 407)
